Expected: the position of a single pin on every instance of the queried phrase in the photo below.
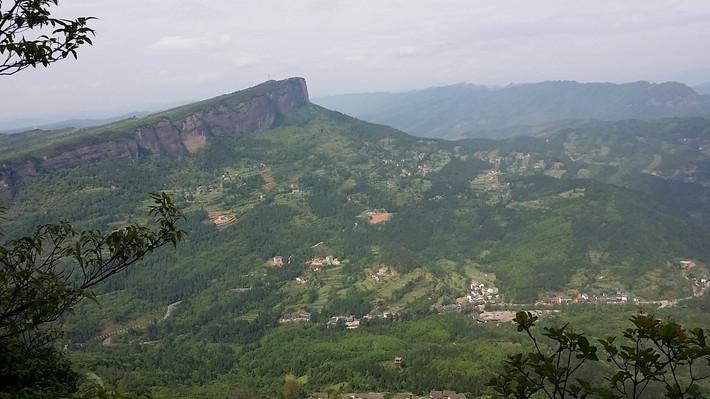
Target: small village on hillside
(484, 302)
(434, 394)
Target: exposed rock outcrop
(249, 111)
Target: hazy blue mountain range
(467, 110)
(702, 88)
(74, 123)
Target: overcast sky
(152, 53)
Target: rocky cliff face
(249, 111)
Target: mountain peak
(289, 93)
(178, 131)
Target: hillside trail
(105, 338)
(170, 309)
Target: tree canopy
(44, 275)
(656, 358)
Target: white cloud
(146, 52)
(407, 52)
(176, 42)
(245, 60)
(355, 58)
(184, 42)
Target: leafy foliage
(657, 356)
(20, 19)
(550, 373)
(45, 275)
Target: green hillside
(592, 209)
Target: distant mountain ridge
(76, 123)
(467, 110)
(703, 88)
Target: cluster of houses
(701, 282)
(514, 160)
(480, 294)
(686, 265)
(478, 297)
(301, 316)
(278, 260)
(382, 272)
(316, 263)
(422, 169)
(381, 395)
(208, 189)
(403, 172)
(618, 298)
(350, 322)
(383, 315)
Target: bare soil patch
(268, 177)
(221, 218)
(377, 218)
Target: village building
(582, 297)
(686, 265)
(277, 260)
(370, 395)
(327, 261)
(446, 395)
(398, 362)
(619, 297)
(350, 322)
(300, 316)
(382, 272)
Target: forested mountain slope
(466, 110)
(292, 207)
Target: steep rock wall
(218, 117)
